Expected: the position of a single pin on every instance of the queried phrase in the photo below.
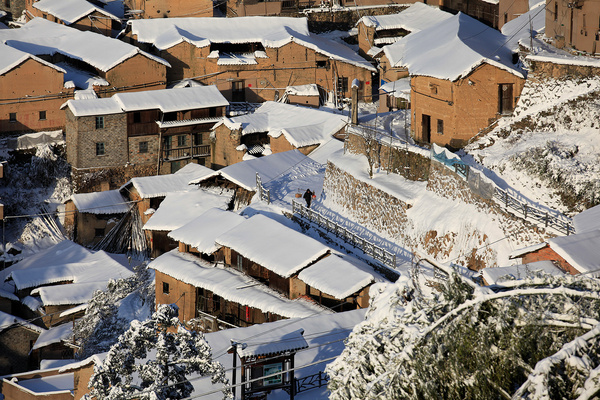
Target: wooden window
(100, 122)
(505, 98)
(240, 262)
(12, 117)
(197, 139)
(165, 288)
(181, 141)
(100, 150)
(167, 142)
(143, 147)
(42, 115)
(440, 127)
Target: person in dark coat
(308, 197)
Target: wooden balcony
(186, 152)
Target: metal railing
(385, 257)
(264, 194)
(309, 382)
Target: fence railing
(264, 194)
(385, 257)
(309, 382)
(184, 152)
(529, 211)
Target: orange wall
(574, 27)
(547, 254)
(139, 71)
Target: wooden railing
(385, 257)
(264, 194)
(185, 152)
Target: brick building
(252, 59)
(83, 60)
(17, 337)
(457, 89)
(17, 112)
(574, 24)
(573, 254)
(494, 14)
(12, 8)
(155, 131)
(273, 128)
(79, 14)
(379, 30)
(143, 9)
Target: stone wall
(99, 179)
(545, 69)
(15, 344)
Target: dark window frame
(100, 123)
(143, 147)
(42, 115)
(100, 149)
(166, 288)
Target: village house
(143, 133)
(43, 384)
(72, 60)
(17, 337)
(303, 95)
(242, 177)
(457, 86)
(142, 9)
(273, 128)
(573, 254)
(394, 95)
(504, 276)
(376, 31)
(94, 15)
(90, 216)
(492, 13)
(252, 59)
(177, 209)
(574, 24)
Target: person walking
(308, 195)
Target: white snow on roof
(52, 385)
(273, 343)
(269, 167)
(415, 18)
(336, 277)
(149, 187)
(53, 335)
(322, 153)
(201, 232)
(582, 251)
(71, 11)
(272, 245)
(498, 275)
(564, 58)
(12, 57)
(587, 220)
(235, 58)
(519, 29)
(33, 303)
(231, 285)
(310, 89)
(107, 202)
(301, 126)
(8, 320)
(399, 88)
(525, 250)
(272, 32)
(452, 49)
(82, 79)
(166, 100)
(40, 36)
(71, 294)
(178, 208)
(8, 295)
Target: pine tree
(151, 362)
(536, 340)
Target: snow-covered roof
(336, 277)
(53, 385)
(40, 36)
(415, 18)
(77, 78)
(582, 251)
(107, 202)
(178, 208)
(12, 58)
(200, 233)
(564, 58)
(272, 32)
(232, 285)
(519, 29)
(149, 187)
(272, 245)
(399, 88)
(498, 275)
(454, 48)
(71, 11)
(166, 100)
(273, 343)
(269, 167)
(8, 320)
(301, 126)
(525, 250)
(587, 220)
(53, 335)
(310, 89)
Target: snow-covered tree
(151, 362)
(102, 323)
(536, 340)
